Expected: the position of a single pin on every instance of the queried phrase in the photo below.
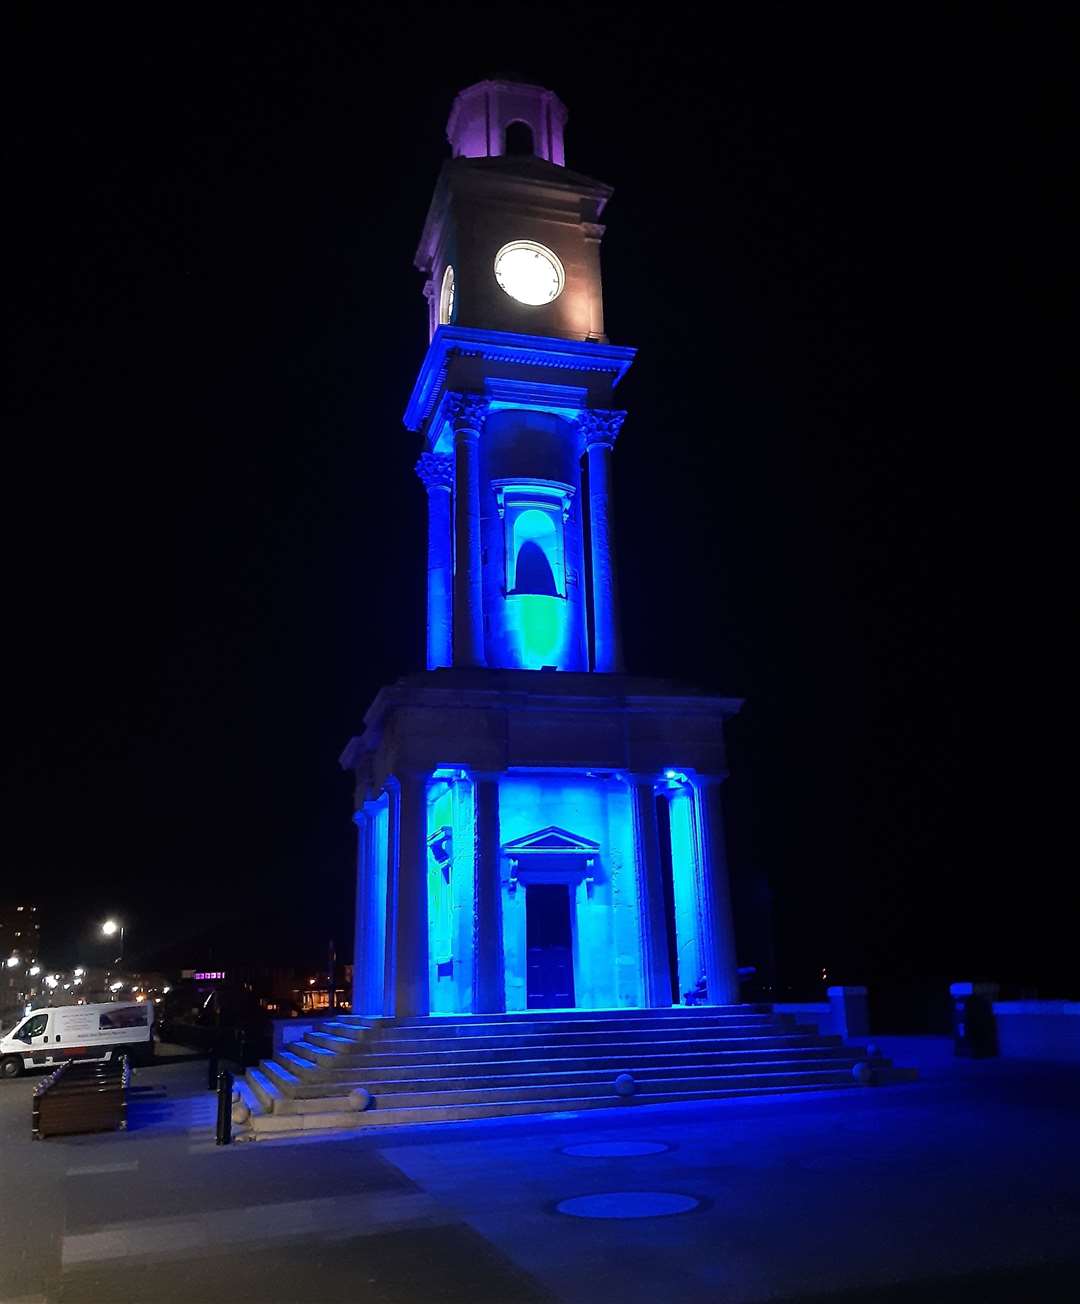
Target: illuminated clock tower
(538, 829)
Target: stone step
(248, 1096)
(557, 1092)
(269, 1125)
(587, 1077)
(465, 1066)
(331, 1041)
(298, 1065)
(284, 1079)
(525, 1042)
(482, 1027)
(354, 1032)
(266, 1091)
(620, 1012)
(621, 1049)
(274, 1098)
(325, 1055)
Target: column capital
(600, 426)
(466, 411)
(436, 470)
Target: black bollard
(224, 1108)
(212, 1071)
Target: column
(437, 473)
(599, 429)
(411, 925)
(655, 968)
(393, 844)
(364, 958)
(718, 929)
(489, 980)
(467, 413)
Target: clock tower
(537, 828)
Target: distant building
(20, 947)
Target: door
(548, 946)
(34, 1034)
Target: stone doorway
(549, 946)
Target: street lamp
(12, 961)
(110, 928)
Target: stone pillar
(393, 845)
(655, 967)
(850, 1011)
(437, 473)
(599, 430)
(368, 957)
(718, 929)
(410, 923)
(489, 979)
(467, 412)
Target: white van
(87, 1032)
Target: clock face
(446, 297)
(529, 273)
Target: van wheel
(11, 1066)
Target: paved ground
(962, 1187)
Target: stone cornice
(507, 348)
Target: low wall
(845, 1014)
(1045, 1030)
(819, 1012)
(286, 1030)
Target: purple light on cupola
(486, 115)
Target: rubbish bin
(974, 1026)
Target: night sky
(834, 242)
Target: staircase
(453, 1067)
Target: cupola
(499, 117)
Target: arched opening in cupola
(519, 139)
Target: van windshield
(32, 1027)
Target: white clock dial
(529, 273)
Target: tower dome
(500, 116)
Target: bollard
(224, 1108)
(212, 1070)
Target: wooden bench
(80, 1097)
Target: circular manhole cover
(615, 1149)
(628, 1204)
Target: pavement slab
(963, 1186)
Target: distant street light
(110, 928)
(34, 970)
(12, 961)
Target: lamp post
(110, 928)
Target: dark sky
(831, 225)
